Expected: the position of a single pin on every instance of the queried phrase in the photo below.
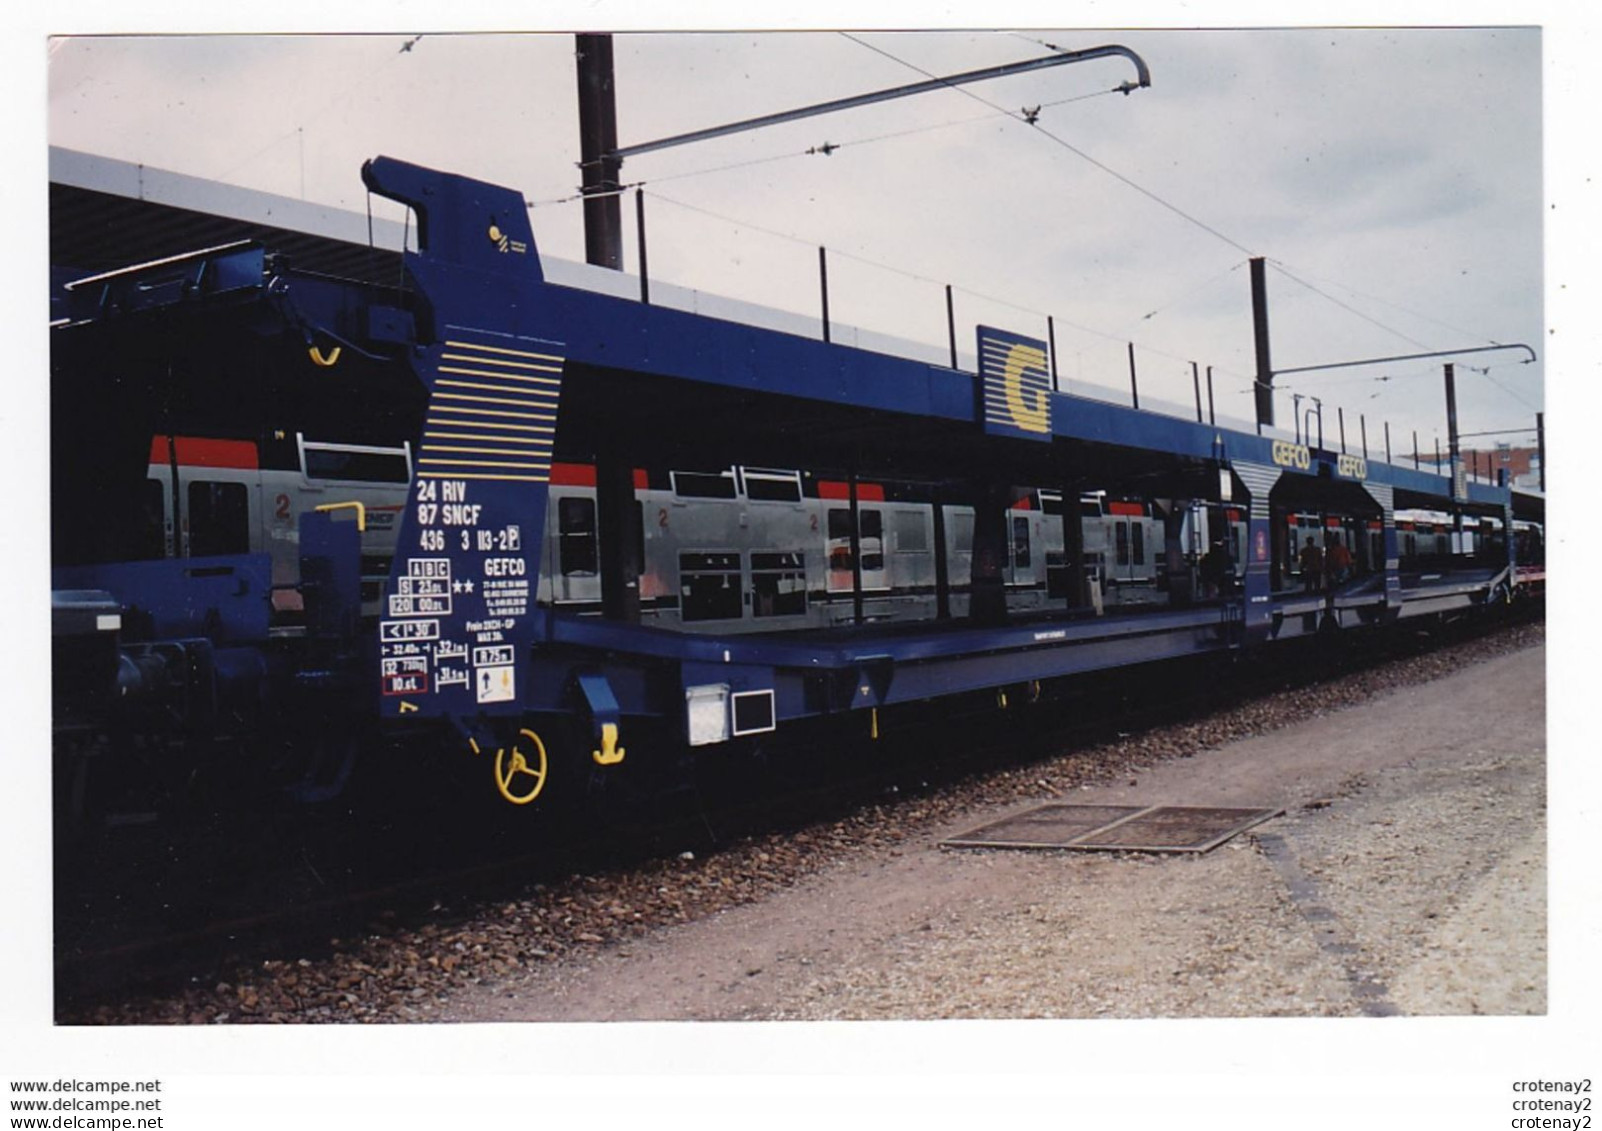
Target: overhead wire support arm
(1409, 357)
(1005, 70)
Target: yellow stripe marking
(556, 391)
(460, 372)
(539, 367)
(503, 349)
(494, 439)
(435, 422)
(484, 463)
(478, 475)
(492, 400)
(482, 451)
(550, 395)
(497, 412)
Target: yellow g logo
(1026, 405)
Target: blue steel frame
(497, 348)
(478, 273)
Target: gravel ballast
(1410, 827)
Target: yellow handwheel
(518, 767)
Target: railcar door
(573, 547)
(870, 538)
(1022, 561)
(911, 560)
(1131, 559)
(159, 502)
(376, 476)
(210, 496)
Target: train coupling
(605, 716)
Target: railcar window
(1121, 540)
(703, 485)
(1138, 543)
(577, 548)
(710, 587)
(912, 533)
(219, 518)
(778, 584)
(872, 531)
(639, 535)
(1020, 543)
(356, 466)
(153, 524)
(773, 486)
(961, 526)
(840, 540)
(1056, 574)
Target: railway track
(317, 915)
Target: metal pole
(1540, 445)
(1134, 387)
(1211, 417)
(823, 286)
(1195, 380)
(1453, 449)
(1387, 441)
(1051, 340)
(1340, 418)
(598, 161)
(951, 325)
(1415, 449)
(855, 512)
(1264, 387)
(639, 228)
(1362, 425)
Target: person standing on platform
(1340, 562)
(1311, 561)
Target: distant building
(1522, 465)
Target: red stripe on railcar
(199, 451)
(834, 489)
(583, 475)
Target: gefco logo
(1016, 385)
(1286, 454)
(505, 243)
(1027, 402)
(1351, 467)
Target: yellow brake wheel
(520, 776)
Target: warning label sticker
(496, 685)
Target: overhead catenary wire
(1080, 153)
(323, 110)
(1033, 123)
(1301, 276)
(1029, 117)
(1283, 270)
(824, 149)
(1191, 292)
(1119, 339)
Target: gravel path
(1407, 876)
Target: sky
(1402, 184)
(1391, 178)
